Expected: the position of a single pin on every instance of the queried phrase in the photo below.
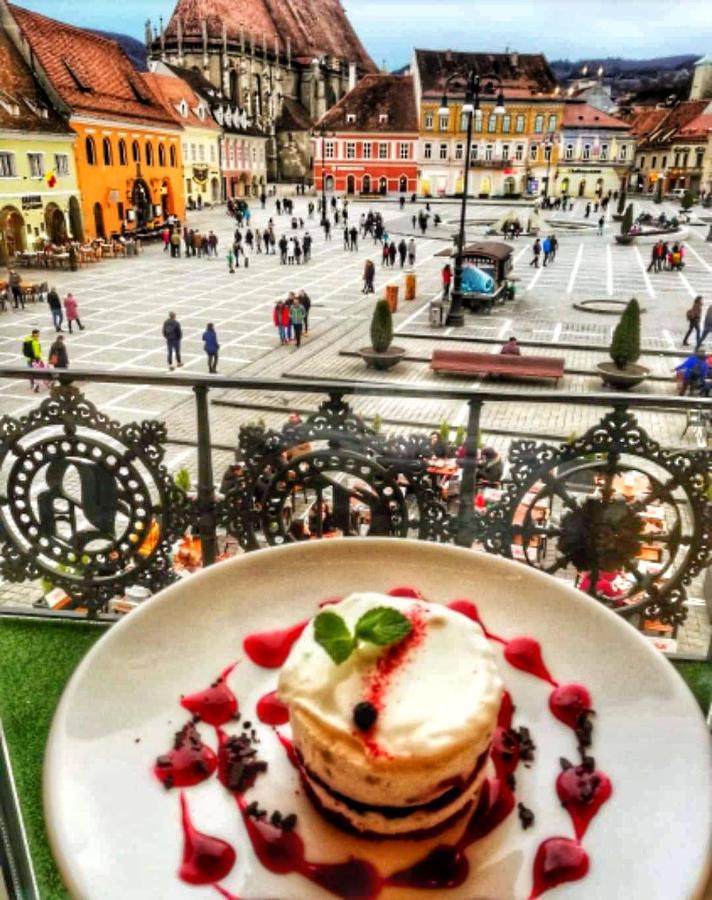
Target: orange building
(128, 149)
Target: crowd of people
(546, 248)
(291, 317)
(667, 257)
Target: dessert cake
(392, 739)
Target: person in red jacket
(279, 321)
(447, 280)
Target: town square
(270, 276)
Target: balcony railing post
(464, 529)
(206, 486)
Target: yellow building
(513, 153)
(39, 197)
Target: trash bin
(392, 296)
(437, 313)
(410, 283)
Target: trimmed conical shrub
(621, 202)
(627, 222)
(625, 345)
(381, 327)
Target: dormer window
(10, 106)
(350, 118)
(80, 83)
(183, 109)
(383, 118)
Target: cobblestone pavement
(124, 302)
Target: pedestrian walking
(174, 239)
(447, 280)
(15, 283)
(58, 356)
(385, 257)
(411, 252)
(601, 223)
(706, 326)
(402, 251)
(694, 317)
(230, 262)
(173, 334)
(32, 351)
(211, 347)
(305, 301)
(369, 273)
(588, 211)
(347, 238)
(353, 237)
(327, 229)
(306, 246)
(553, 247)
(297, 316)
(166, 238)
(546, 249)
(55, 307)
(278, 321)
(71, 311)
(536, 253)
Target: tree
(625, 344)
(687, 201)
(658, 198)
(381, 327)
(627, 222)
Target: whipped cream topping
(446, 691)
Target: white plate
(116, 832)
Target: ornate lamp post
(322, 135)
(470, 108)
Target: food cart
(494, 259)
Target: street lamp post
(470, 108)
(322, 133)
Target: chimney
(352, 76)
(179, 33)
(163, 37)
(148, 33)
(514, 59)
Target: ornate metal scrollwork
(629, 519)
(330, 470)
(85, 502)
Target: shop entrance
(75, 219)
(55, 224)
(351, 185)
(12, 233)
(99, 221)
(141, 199)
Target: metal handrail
(365, 388)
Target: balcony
(495, 163)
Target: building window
(36, 161)
(459, 151)
(366, 151)
(664, 163)
(61, 163)
(534, 152)
(201, 152)
(604, 152)
(8, 169)
(642, 158)
(350, 118)
(193, 153)
(90, 150)
(161, 155)
(552, 123)
(212, 153)
(135, 152)
(383, 151)
(547, 151)
(488, 152)
(123, 158)
(188, 185)
(519, 152)
(428, 151)
(677, 160)
(474, 152)
(478, 120)
(654, 161)
(506, 123)
(173, 157)
(699, 160)
(329, 149)
(444, 122)
(505, 151)
(428, 121)
(586, 155)
(149, 153)
(106, 150)
(186, 154)
(464, 121)
(491, 123)
(538, 123)
(569, 151)
(405, 151)
(443, 151)
(350, 150)
(521, 123)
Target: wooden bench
(461, 362)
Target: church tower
(702, 79)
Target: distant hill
(135, 50)
(614, 66)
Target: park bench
(461, 362)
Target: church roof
(314, 28)
(23, 104)
(91, 74)
(380, 103)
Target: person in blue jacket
(695, 374)
(210, 343)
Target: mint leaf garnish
(382, 626)
(332, 633)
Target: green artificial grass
(698, 677)
(36, 661)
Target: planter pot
(382, 361)
(622, 379)
(625, 239)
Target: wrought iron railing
(89, 504)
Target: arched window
(108, 155)
(161, 155)
(90, 151)
(135, 152)
(173, 158)
(123, 158)
(149, 153)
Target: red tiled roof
(697, 128)
(373, 96)
(92, 74)
(645, 120)
(313, 27)
(583, 115)
(676, 118)
(172, 91)
(525, 72)
(19, 90)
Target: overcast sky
(389, 28)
